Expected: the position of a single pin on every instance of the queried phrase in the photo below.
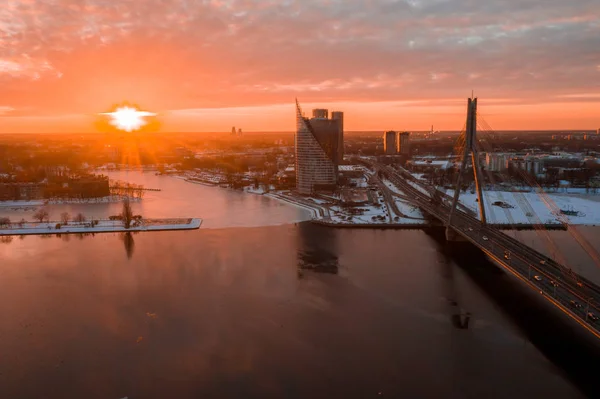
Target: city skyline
(209, 66)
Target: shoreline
(318, 213)
(72, 201)
(104, 226)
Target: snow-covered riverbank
(103, 226)
(34, 203)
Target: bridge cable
(582, 241)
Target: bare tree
(4, 222)
(22, 223)
(79, 218)
(65, 217)
(127, 213)
(41, 215)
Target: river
(240, 309)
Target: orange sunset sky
(208, 65)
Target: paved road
(571, 293)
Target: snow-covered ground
(360, 182)
(103, 226)
(341, 215)
(260, 190)
(529, 207)
(418, 187)
(411, 211)
(318, 201)
(393, 187)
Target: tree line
(126, 189)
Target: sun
(128, 118)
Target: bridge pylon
(470, 149)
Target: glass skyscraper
(317, 151)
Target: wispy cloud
(81, 55)
(5, 110)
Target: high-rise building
(320, 113)
(339, 116)
(389, 142)
(316, 145)
(403, 143)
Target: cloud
(5, 110)
(220, 53)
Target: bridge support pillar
(453, 236)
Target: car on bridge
(542, 262)
(485, 238)
(575, 304)
(592, 316)
(538, 278)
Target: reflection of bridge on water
(317, 249)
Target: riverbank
(103, 226)
(386, 226)
(111, 199)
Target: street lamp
(587, 308)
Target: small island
(124, 222)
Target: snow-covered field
(260, 190)
(531, 208)
(342, 216)
(392, 187)
(360, 182)
(411, 211)
(418, 187)
(103, 226)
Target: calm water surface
(244, 312)
(218, 207)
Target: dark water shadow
(128, 243)
(6, 239)
(459, 316)
(568, 346)
(317, 249)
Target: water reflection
(128, 242)
(317, 249)
(566, 346)
(459, 317)
(6, 239)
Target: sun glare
(128, 118)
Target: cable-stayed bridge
(573, 294)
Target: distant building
(339, 116)
(320, 113)
(497, 161)
(21, 191)
(403, 143)
(233, 131)
(316, 145)
(389, 142)
(239, 131)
